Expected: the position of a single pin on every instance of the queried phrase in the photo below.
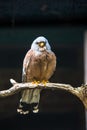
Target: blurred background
(64, 24)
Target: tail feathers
(29, 101)
(26, 108)
(23, 108)
(31, 96)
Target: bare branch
(80, 92)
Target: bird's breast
(41, 67)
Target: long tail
(29, 101)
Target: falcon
(38, 66)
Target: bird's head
(40, 44)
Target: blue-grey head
(40, 44)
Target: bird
(39, 65)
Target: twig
(80, 92)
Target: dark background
(63, 23)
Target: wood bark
(80, 92)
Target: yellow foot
(44, 82)
(35, 82)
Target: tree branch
(80, 92)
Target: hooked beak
(41, 44)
